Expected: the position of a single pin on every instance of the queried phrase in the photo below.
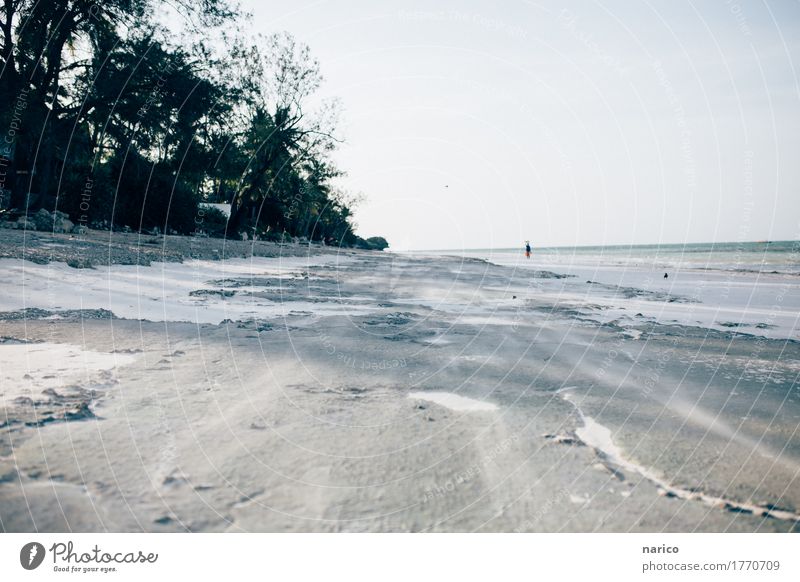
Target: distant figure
(527, 249)
(666, 276)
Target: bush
(377, 243)
(143, 195)
(213, 221)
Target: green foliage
(377, 243)
(137, 131)
(211, 221)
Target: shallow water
(443, 404)
(752, 288)
(763, 257)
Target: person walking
(527, 249)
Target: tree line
(115, 119)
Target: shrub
(377, 243)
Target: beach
(167, 384)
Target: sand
(378, 392)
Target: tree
(282, 137)
(115, 122)
(38, 38)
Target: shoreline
(100, 247)
(366, 391)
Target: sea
(774, 257)
(747, 287)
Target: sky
(480, 124)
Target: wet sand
(378, 392)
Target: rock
(610, 470)
(63, 225)
(42, 220)
(81, 412)
(55, 222)
(61, 222)
(163, 520)
(563, 439)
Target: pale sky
(474, 124)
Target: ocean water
(774, 257)
(750, 287)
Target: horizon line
(769, 241)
